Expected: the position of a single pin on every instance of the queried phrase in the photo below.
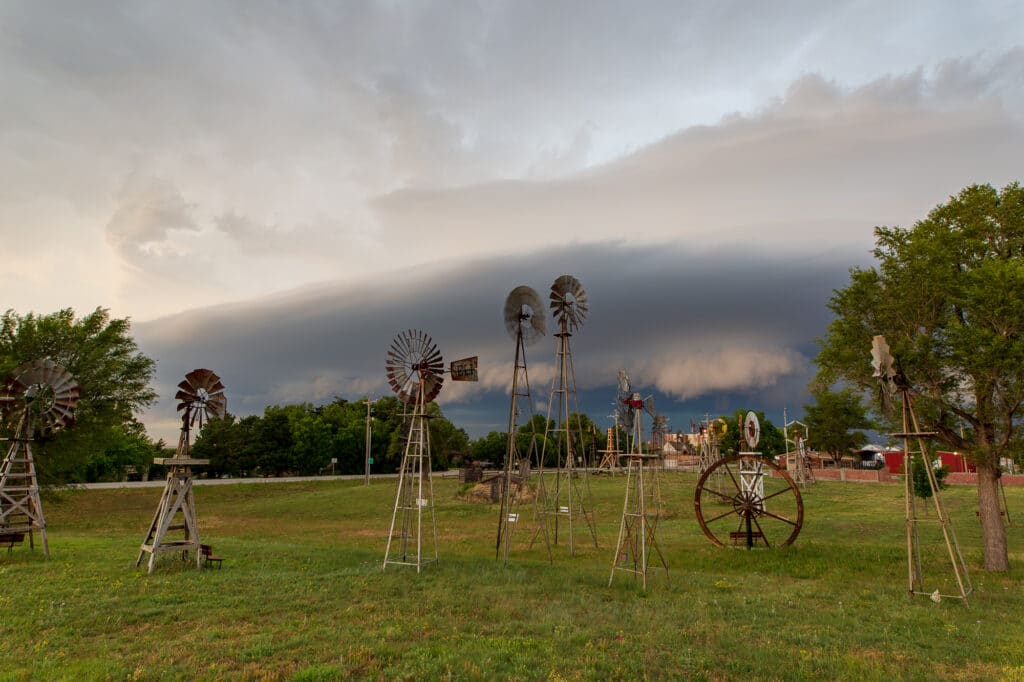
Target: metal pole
(369, 434)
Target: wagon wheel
(764, 506)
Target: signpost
(369, 434)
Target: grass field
(302, 595)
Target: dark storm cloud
(688, 323)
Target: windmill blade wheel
(201, 396)
(569, 302)
(412, 357)
(46, 389)
(524, 314)
(748, 501)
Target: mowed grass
(302, 595)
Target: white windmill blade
(623, 382)
(881, 358)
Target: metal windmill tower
(415, 371)
(637, 545)
(892, 380)
(200, 398)
(711, 432)
(38, 399)
(524, 321)
(569, 500)
(796, 461)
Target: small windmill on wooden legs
(38, 399)
(200, 398)
(893, 381)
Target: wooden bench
(207, 553)
(11, 539)
(739, 537)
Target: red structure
(894, 461)
(956, 463)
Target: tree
(922, 488)
(490, 448)
(113, 375)
(833, 421)
(948, 294)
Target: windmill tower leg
(177, 498)
(912, 430)
(638, 543)
(21, 510)
(572, 484)
(415, 492)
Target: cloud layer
(686, 324)
(158, 157)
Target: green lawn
(302, 595)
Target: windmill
(525, 322)
(37, 400)
(637, 545)
(570, 498)
(415, 371)
(796, 461)
(659, 424)
(200, 398)
(624, 412)
(709, 439)
(892, 382)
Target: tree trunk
(992, 529)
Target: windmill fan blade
(568, 301)
(881, 358)
(649, 405)
(524, 314)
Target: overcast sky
(273, 190)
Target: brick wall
(854, 475)
(972, 479)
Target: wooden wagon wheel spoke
(780, 518)
(764, 536)
(775, 494)
(720, 516)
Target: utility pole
(369, 434)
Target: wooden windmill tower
(39, 398)
(893, 381)
(200, 398)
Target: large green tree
(948, 294)
(834, 421)
(113, 375)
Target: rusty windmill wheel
(568, 302)
(42, 394)
(757, 505)
(201, 398)
(414, 359)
